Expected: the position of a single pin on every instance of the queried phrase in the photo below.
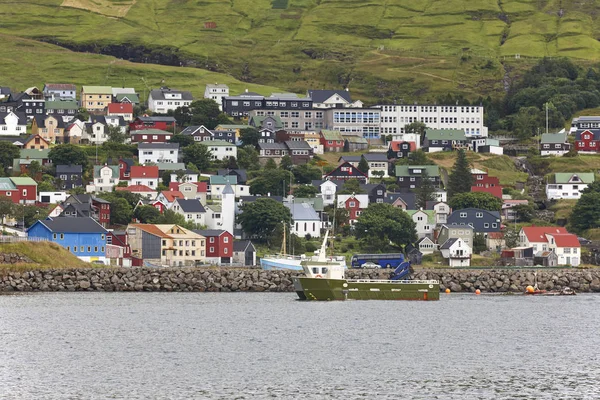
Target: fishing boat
(566, 291)
(293, 262)
(324, 280)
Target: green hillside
(418, 48)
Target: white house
(442, 211)
(105, 178)
(457, 252)
(216, 92)
(192, 210)
(75, 130)
(188, 176)
(328, 191)
(378, 163)
(221, 150)
(425, 221)
(566, 247)
(164, 99)
(333, 99)
(96, 131)
(305, 220)
(568, 185)
(426, 245)
(144, 175)
(219, 182)
(52, 197)
(12, 124)
(158, 152)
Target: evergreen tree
(425, 192)
(363, 166)
(460, 180)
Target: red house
(346, 171)
(219, 245)
(125, 165)
(588, 141)
(102, 208)
(354, 204)
(332, 140)
(124, 110)
(145, 122)
(26, 190)
(482, 182)
(150, 136)
(159, 205)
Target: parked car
(584, 240)
(370, 265)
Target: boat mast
(283, 249)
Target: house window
(479, 215)
(463, 215)
(81, 249)
(211, 249)
(74, 249)
(225, 239)
(486, 225)
(54, 236)
(62, 236)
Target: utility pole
(546, 117)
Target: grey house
(70, 176)
(244, 253)
(482, 221)
(454, 231)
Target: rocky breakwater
(504, 280)
(256, 280)
(160, 280)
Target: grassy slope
(43, 254)
(405, 49)
(499, 166)
(32, 63)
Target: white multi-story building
(221, 150)
(216, 92)
(164, 99)
(158, 152)
(468, 118)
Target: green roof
(115, 170)
(566, 177)
(331, 135)
(34, 154)
(97, 90)
(356, 139)
(405, 170)
(430, 214)
(316, 202)
(554, 138)
(62, 105)
(258, 120)
(165, 166)
(223, 179)
(133, 97)
(23, 180)
(445, 134)
(226, 127)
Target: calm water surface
(244, 346)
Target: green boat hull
(343, 289)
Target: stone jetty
(256, 280)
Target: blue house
(83, 237)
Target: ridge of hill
(378, 48)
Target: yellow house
(314, 140)
(51, 129)
(166, 244)
(96, 98)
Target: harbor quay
(257, 280)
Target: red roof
(135, 188)
(172, 195)
(395, 145)
(495, 235)
(148, 172)
(565, 240)
(537, 234)
(120, 108)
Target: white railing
(414, 282)
(14, 239)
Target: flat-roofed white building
(468, 118)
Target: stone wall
(14, 258)
(256, 280)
